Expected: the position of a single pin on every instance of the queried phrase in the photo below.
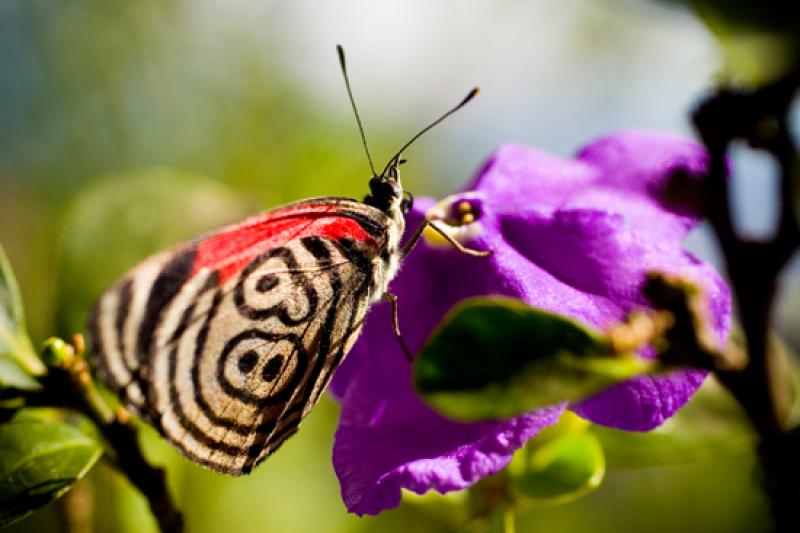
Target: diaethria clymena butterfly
(224, 343)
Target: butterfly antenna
(472, 94)
(340, 50)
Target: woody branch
(759, 118)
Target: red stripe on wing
(230, 250)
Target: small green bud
(57, 353)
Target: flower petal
(634, 169)
(389, 440)
(519, 178)
(642, 403)
(575, 237)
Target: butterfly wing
(226, 342)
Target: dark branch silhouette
(759, 118)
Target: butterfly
(224, 343)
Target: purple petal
(642, 403)
(389, 440)
(575, 237)
(519, 178)
(637, 165)
(606, 260)
(624, 173)
(641, 162)
(601, 236)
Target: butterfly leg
(393, 299)
(441, 231)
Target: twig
(68, 383)
(760, 118)
(150, 480)
(76, 508)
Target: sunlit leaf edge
(38, 494)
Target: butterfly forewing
(225, 343)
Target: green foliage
(17, 356)
(11, 315)
(498, 357)
(563, 463)
(13, 376)
(40, 461)
(759, 41)
(563, 469)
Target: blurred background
(127, 126)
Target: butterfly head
(386, 192)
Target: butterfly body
(226, 342)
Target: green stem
(509, 520)
(69, 384)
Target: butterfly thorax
(386, 194)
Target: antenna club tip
(340, 51)
(472, 94)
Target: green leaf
(561, 469)
(498, 357)
(12, 317)
(13, 376)
(14, 341)
(39, 462)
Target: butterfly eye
(407, 203)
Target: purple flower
(571, 236)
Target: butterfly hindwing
(225, 343)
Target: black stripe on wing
(165, 287)
(270, 433)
